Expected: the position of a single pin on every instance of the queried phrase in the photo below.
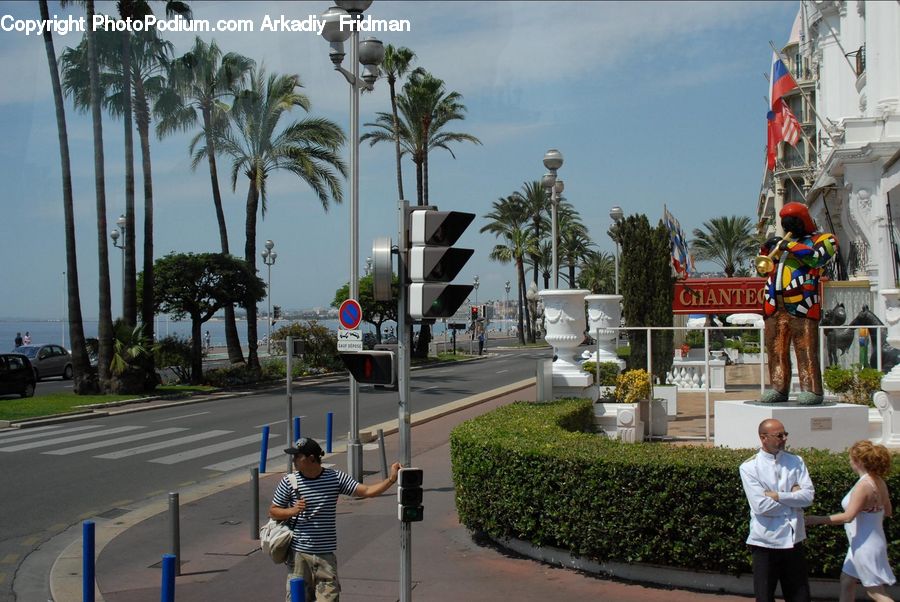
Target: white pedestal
(670, 394)
(832, 427)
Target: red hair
(876, 459)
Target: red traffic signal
(371, 367)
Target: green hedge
(536, 472)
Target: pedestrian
(480, 343)
(18, 341)
(26, 340)
(791, 305)
(865, 507)
(207, 341)
(313, 507)
(778, 487)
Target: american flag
(790, 127)
(681, 258)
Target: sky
(650, 104)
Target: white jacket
(776, 524)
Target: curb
(66, 573)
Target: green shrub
(174, 352)
(231, 376)
(534, 471)
(608, 372)
(750, 347)
(856, 384)
(320, 344)
(694, 338)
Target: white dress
(867, 558)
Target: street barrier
(168, 578)
(296, 427)
(329, 424)
(297, 593)
(175, 530)
(254, 503)
(87, 561)
(264, 449)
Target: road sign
(349, 340)
(350, 314)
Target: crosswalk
(166, 446)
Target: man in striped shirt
(312, 509)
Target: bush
(608, 372)
(632, 386)
(320, 344)
(856, 385)
(174, 352)
(694, 338)
(554, 483)
(231, 376)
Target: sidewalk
(220, 560)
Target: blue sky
(650, 104)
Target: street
(57, 476)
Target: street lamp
(269, 256)
(616, 214)
(506, 308)
(475, 286)
(370, 52)
(553, 160)
(368, 265)
(114, 235)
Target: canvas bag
(275, 536)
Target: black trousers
(771, 565)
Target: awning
(754, 320)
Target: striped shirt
(315, 529)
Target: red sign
(350, 314)
(718, 295)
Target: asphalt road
(55, 477)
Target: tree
(647, 290)
(374, 312)
(597, 273)
(574, 241)
(395, 65)
(537, 204)
(728, 241)
(307, 148)
(83, 383)
(199, 285)
(507, 222)
(201, 80)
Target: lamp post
(368, 265)
(268, 256)
(616, 214)
(370, 52)
(553, 160)
(475, 285)
(506, 309)
(115, 234)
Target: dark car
(48, 360)
(16, 375)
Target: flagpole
(809, 103)
(809, 142)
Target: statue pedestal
(888, 399)
(833, 427)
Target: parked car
(48, 360)
(16, 375)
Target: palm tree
(200, 81)
(508, 217)
(574, 241)
(537, 204)
(727, 241)
(82, 382)
(597, 273)
(395, 65)
(308, 148)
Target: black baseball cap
(306, 447)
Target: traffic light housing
(433, 262)
(474, 312)
(409, 495)
(371, 367)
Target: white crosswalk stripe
(116, 441)
(163, 444)
(38, 432)
(248, 460)
(66, 439)
(209, 449)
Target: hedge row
(536, 472)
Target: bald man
(778, 487)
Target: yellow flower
(632, 385)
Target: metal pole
(706, 385)
(175, 531)
(329, 431)
(354, 448)
(123, 274)
(254, 503)
(269, 309)
(404, 332)
(617, 267)
(87, 561)
(264, 449)
(553, 201)
(384, 466)
(169, 568)
(289, 369)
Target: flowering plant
(632, 385)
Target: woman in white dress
(865, 507)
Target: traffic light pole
(404, 328)
(289, 369)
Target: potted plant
(619, 416)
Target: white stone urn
(888, 399)
(565, 325)
(604, 314)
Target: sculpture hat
(799, 211)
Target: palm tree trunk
(83, 383)
(235, 355)
(147, 297)
(250, 257)
(129, 301)
(426, 125)
(104, 326)
(391, 82)
(571, 274)
(520, 286)
(420, 198)
(520, 267)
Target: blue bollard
(264, 450)
(87, 560)
(297, 593)
(168, 578)
(296, 427)
(329, 423)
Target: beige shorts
(319, 574)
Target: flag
(780, 81)
(681, 258)
(790, 127)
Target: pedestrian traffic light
(276, 311)
(371, 367)
(434, 263)
(474, 312)
(409, 495)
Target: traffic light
(276, 311)
(409, 495)
(434, 263)
(371, 367)
(474, 311)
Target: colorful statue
(791, 303)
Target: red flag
(773, 131)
